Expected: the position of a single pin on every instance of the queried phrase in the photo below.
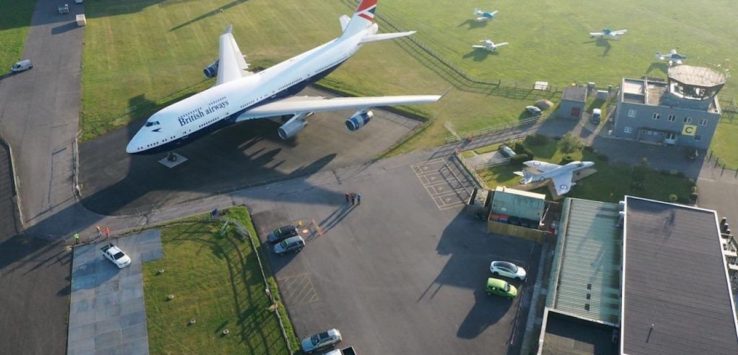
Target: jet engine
(358, 120)
(292, 127)
(211, 70)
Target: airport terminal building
(683, 110)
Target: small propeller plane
(672, 57)
(488, 45)
(608, 34)
(484, 16)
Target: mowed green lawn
(15, 17)
(610, 183)
(140, 55)
(215, 280)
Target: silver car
(507, 269)
(321, 340)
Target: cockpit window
(152, 123)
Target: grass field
(15, 17)
(142, 54)
(216, 281)
(610, 183)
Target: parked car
(321, 340)
(345, 351)
(21, 65)
(115, 255)
(596, 116)
(294, 244)
(282, 233)
(501, 288)
(506, 151)
(533, 110)
(507, 269)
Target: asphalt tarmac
(247, 154)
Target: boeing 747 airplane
(240, 95)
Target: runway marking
(298, 289)
(442, 184)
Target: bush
(673, 197)
(520, 148)
(570, 143)
(566, 159)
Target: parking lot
(398, 273)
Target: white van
(22, 65)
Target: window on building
(656, 115)
(687, 119)
(631, 113)
(628, 130)
(703, 122)
(672, 118)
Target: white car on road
(321, 340)
(117, 256)
(507, 269)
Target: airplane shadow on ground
(660, 66)
(472, 24)
(601, 42)
(479, 55)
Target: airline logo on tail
(366, 9)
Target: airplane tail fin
(362, 18)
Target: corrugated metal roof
(586, 272)
(518, 203)
(676, 295)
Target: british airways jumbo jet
(239, 95)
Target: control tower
(692, 87)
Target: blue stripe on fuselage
(289, 91)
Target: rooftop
(676, 295)
(518, 203)
(656, 93)
(567, 335)
(585, 277)
(575, 93)
(696, 76)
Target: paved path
(107, 311)
(39, 111)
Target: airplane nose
(133, 145)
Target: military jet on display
(488, 45)
(240, 95)
(484, 16)
(561, 176)
(672, 57)
(608, 34)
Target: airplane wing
(541, 166)
(596, 34)
(231, 63)
(301, 104)
(619, 32)
(501, 44)
(562, 182)
(479, 46)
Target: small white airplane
(561, 176)
(240, 95)
(608, 34)
(672, 57)
(488, 45)
(484, 16)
